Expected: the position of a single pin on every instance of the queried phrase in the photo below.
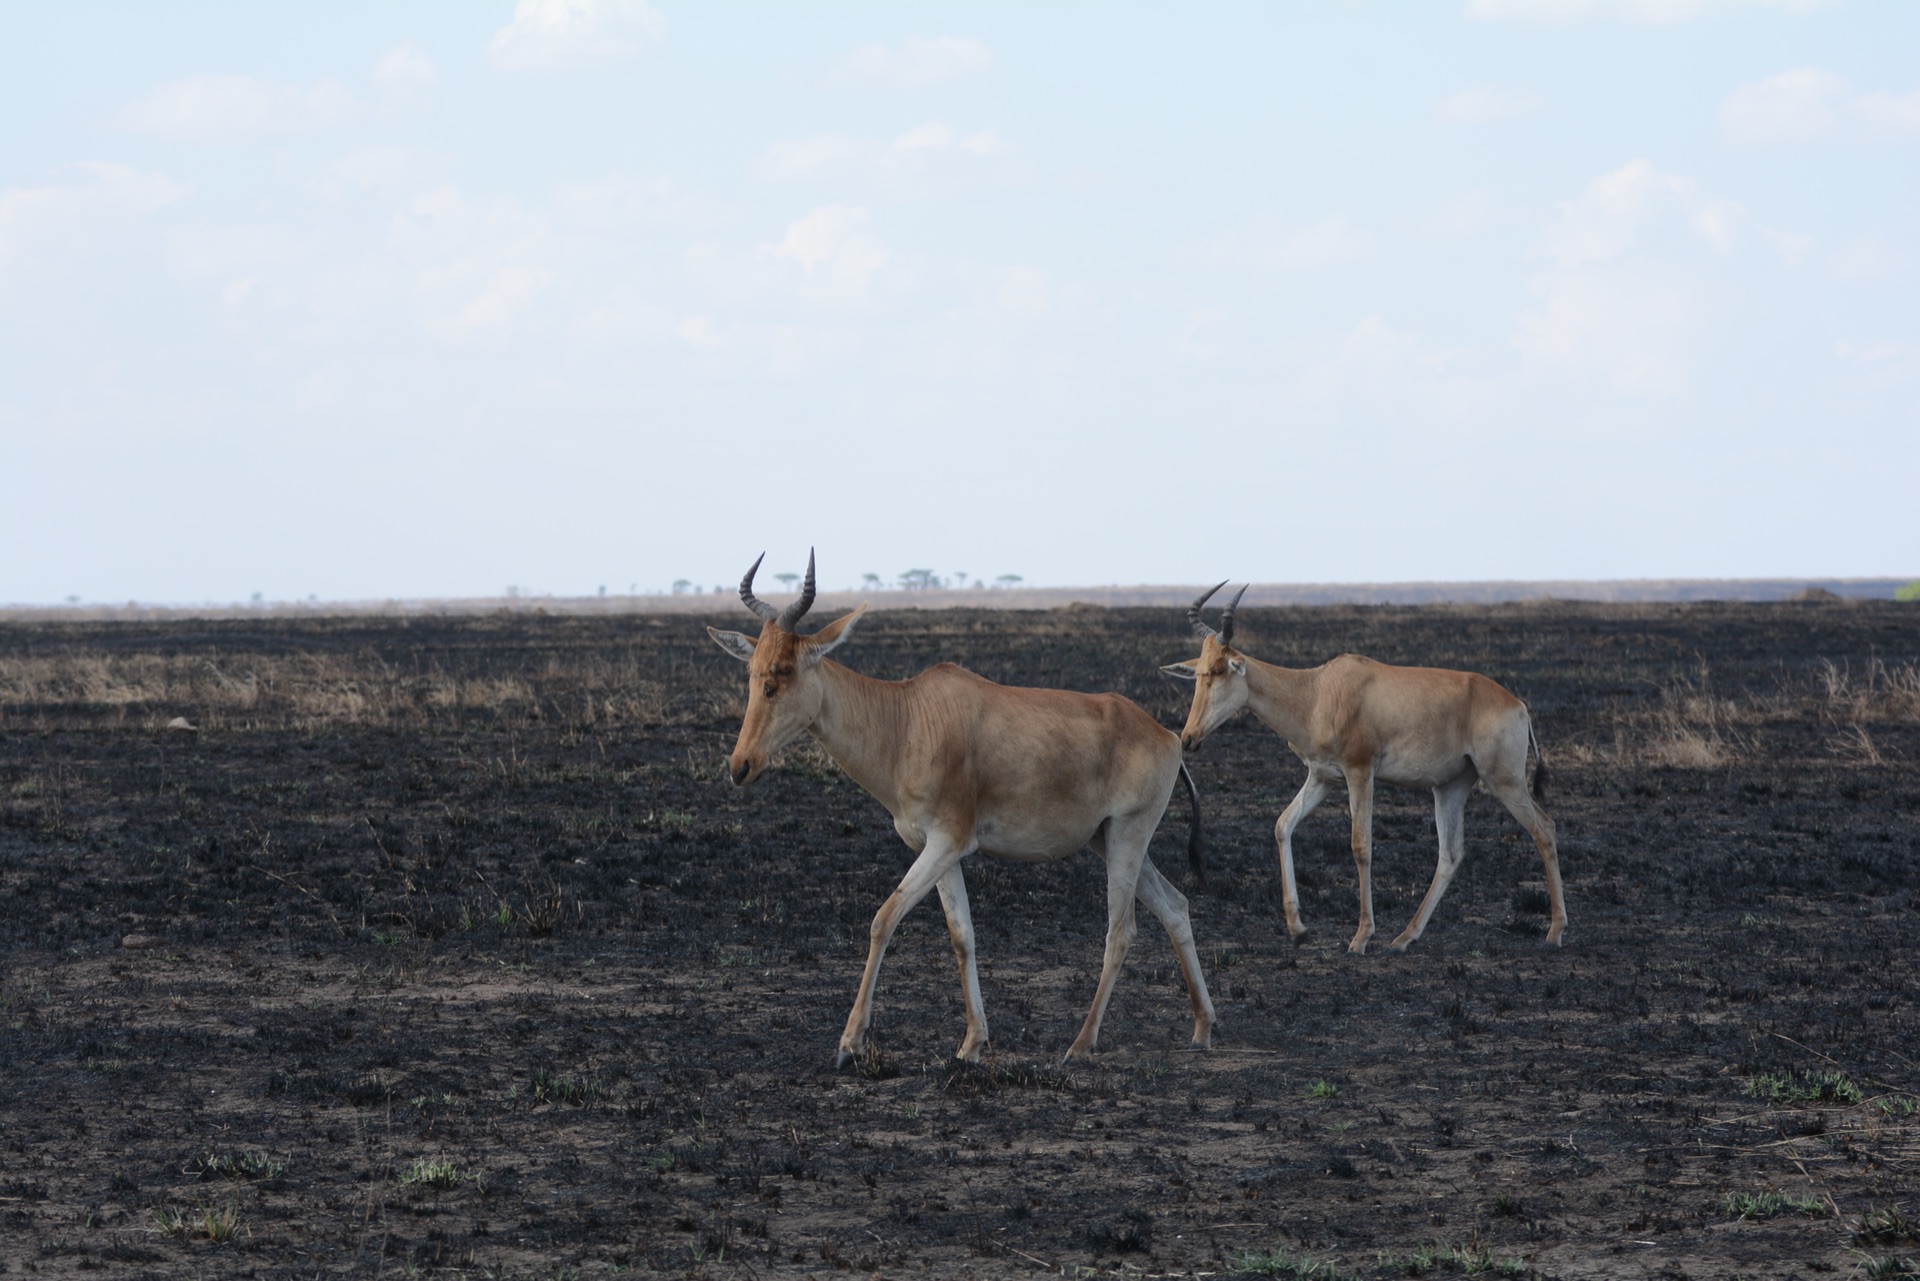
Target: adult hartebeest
(964, 764)
(1365, 722)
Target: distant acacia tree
(1009, 580)
(919, 580)
(871, 581)
(680, 586)
(787, 580)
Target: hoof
(1399, 945)
(1299, 936)
(843, 1060)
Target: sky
(404, 299)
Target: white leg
(1449, 822)
(1124, 851)
(941, 854)
(1170, 906)
(953, 899)
(1312, 792)
(1360, 802)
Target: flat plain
(443, 947)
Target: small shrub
(1322, 1090)
(1764, 1205)
(1788, 1088)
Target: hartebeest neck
(1282, 697)
(862, 725)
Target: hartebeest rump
(1364, 722)
(964, 764)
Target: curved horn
(753, 602)
(1226, 616)
(1200, 629)
(792, 614)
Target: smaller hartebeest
(964, 764)
(1364, 722)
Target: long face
(1219, 679)
(784, 689)
(783, 697)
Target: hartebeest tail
(1356, 721)
(1539, 765)
(1196, 834)
(964, 764)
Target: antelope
(1364, 722)
(965, 765)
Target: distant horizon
(1032, 596)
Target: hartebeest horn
(790, 616)
(1200, 629)
(753, 602)
(1226, 616)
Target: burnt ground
(444, 948)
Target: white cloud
(622, 203)
(103, 196)
(1488, 104)
(1656, 12)
(1624, 210)
(1463, 214)
(1331, 242)
(404, 74)
(918, 64)
(831, 246)
(1808, 105)
(383, 168)
(930, 156)
(566, 35)
(222, 109)
(1869, 259)
(1620, 297)
(1633, 327)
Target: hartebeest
(1364, 722)
(964, 764)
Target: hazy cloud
(237, 109)
(1488, 104)
(71, 212)
(567, 35)
(1640, 11)
(928, 156)
(1331, 242)
(832, 247)
(1808, 105)
(918, 64)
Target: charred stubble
(452, 949)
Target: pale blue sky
(411, 299)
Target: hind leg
(1449, 822)
(1170, 906)
(1511, 788)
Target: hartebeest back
(964, 764)
(1364, 722)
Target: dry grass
(310, 691)
(1690, 726)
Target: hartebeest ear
(741, 647)
(824, 641)
(1181, 671)
(1238, 666)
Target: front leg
(941, 854)
(1312, 792)
(1360, 803)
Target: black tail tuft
(1196, 834)
(1539, 769)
